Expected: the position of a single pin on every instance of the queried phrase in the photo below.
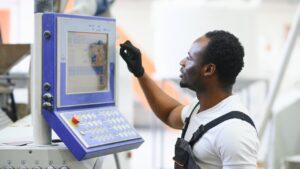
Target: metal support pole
(41, 130)
(275, 87)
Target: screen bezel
(69, 24)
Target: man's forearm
(161, 103)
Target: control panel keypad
(99, 127)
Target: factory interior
(48, 101)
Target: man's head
(213, 59)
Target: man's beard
(185, 85)
(198, 87)
(182, 85)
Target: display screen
(87, 63)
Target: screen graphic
(87, 63)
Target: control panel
(97, 127)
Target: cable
(117, 161)
(14, 116)
(94, 167)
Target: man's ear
(209, 69)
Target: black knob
(47, 34)
(48, 97)
(47, 106)
(47, 86)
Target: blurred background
(164, 31)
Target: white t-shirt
(232, 144)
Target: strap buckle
(201, 128)
(197, 135)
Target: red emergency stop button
(75, 119)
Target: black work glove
(133, 58)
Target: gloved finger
(126, 42)
(122, 51)
(124, 55)
(125, 52)
(130, 47)
(127, 47)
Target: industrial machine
(78, 85)
(72, 92)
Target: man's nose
(182, 62)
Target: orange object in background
(4, 24)
(69, 5)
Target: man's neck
(211, 98)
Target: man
(210, 69)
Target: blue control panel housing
(78, 92)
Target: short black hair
(227, 53)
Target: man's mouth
(181, 73)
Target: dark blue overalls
(184, 156)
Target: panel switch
(75, 119)
(48, 97)
(48, 106)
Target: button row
(110, 137)
(97, 129)
(90, 114)
(109, 113)
(104, 116)
(103, 137)
(93, 131)
(86, 116)
(101, 122)
(121, 127)
(127, 134)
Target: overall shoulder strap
(187, 121)
(231, 115)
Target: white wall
(177, 24)
(166, 29)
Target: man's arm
(165, 107)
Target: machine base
(32, 156)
